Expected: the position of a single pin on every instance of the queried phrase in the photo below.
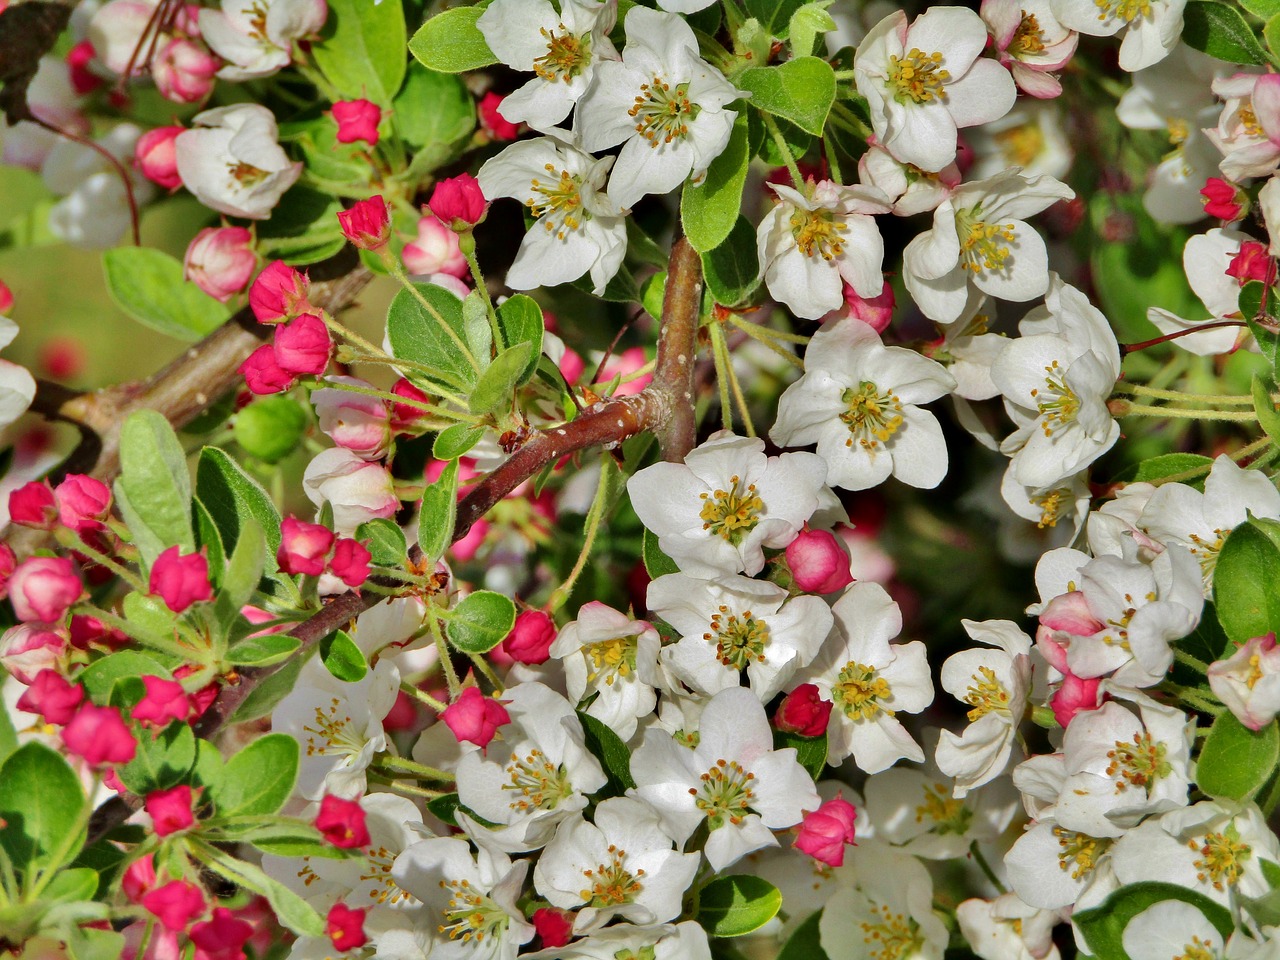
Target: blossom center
(983, 245)
(1080, 852)
(731, 514)
(948, 815)
(1197, 949)
(859, 691)
(1206, 551)
(1028, 38)
(986, 694)
(611, 659)
(611, 883)
(1221, 859)
(1057, 402)
(1139, 764)
(1021, 144)
(1249, 119)
(1051, 505)
(470, 914)
(871, 416)
(383, 889)
(540, 783)
(739, 639)
(725, 794)
(662, 112)
(566, 57)
(918, 77)
(245, 174)
(557, 202)
(891, 936)
(1126, 10)
(817, 231)
(332, 733)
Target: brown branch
(677, 346)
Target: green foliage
(362, 49)
(1236, 762)
(43, 807)
(738, 904)
(435, 114)
(342, 658)
(774, 15)
(806, 942)
(236, 501)
(270, 428)
(416, 334)
(155, 484)
(1244, 584)
(1263, 9)
(262, 651)
(496, 387)
(259, 779)
(263, 698)
(808, 24)
(303, 228)
(451, 42)
(612, 753)
(811, 752)
(520, 321)
(454, 442)
(1265, 408)
(162, 760)
(732, 270)
(1220, 31)
(1103, 926)
(385, 541)
(481, 621)
(710, 210)
(292, 911)
(438, 514)
(99, 678)
(1271, 34)
(1165, 465)
(656, 562)
(800, 90)
(147, 284)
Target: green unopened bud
(270, 428)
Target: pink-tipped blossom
(138, 878)
(405, 417)
(827, 831)
(99, 735)
(494, 123)
(303, 547)
(803, 712)
(6, 297)
(1252, 262)
(184, 70)
(181, 580)
(354, 421)
(279, 293)
(175, 904)
(163, 702)
(818, 562)
(303, 345)
(156, 157)
(554, 926)
(345, 927)
(44, 588)
(33, 505)
(220, 261)
(1248, 681)
(83, 502)
(342, 822)
(624, 364)
(170, 810)
(475, 718)
(29, 648)
(459, 201)
(876, 312)
(221, 937)
(367, 223)
(530, 639)
(52, 696)
(357, 489)
(350, 562)
(1076, 694)
(1224, 200)
(435, 250)
(8, 564)
(86, 631)
(357, 120)
(263, 375)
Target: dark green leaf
(801, 90)
(342, 658)
(147, 284)
(454, 442)
(1165, 465)
(732, 270)
(656, 562)
(496, 386)
(438, 514)
(481, 621)
(263, 698)
(774, 15)
(1220, 31)
(419, 333)
(435, 113)
(99, 678)
(291, 910)
(303, 227)
(1236, 762)
(235, 501)
(154, 477)
(1103, 927)
(385, 540)
(1244, 584)
(806, 942)
(362, 49)
(710, 210)
(162, 761)
(451, 42)
(262, 651)
(1265, 408)
(612, 753)
(41, 806)
(811, 752)
(736, 905)
(260, 778)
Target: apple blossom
(475, 718)
(44, 588)
(184, 70)
(345, 927)
(33, 505)
(163, 702)
(231, 160)
(1007, 928)
(803, 712)
(1206, 259)
(175, 904)
(99, 736)
(303, 547)
(221, 937)
(530, 638)
(1030, 42)
(262, 375)
(494, 123)
(1224, 200)
(279, 293)
(357, 120)
(1248, 129)
(30, 648)
(170, 810)
(358, 489)
(354, 421)
(303, 345)
(220, 261)
(367, 224)
(181, 580)
(350, 562)
(51, 696)
(436, 250)
(256, 37)
(825, 832)
(459, 201)
(342, 822)
(1151, 28)
(1246, 681)
(155, 155)
(910, 189)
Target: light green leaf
(1271, 34)
(800, 90)
(342, 658)
(147, 284)
(99, 678)
(385, 540)
(520, 320)
(1236, 762)
(262, 651)
(438, 514)
(738, 904)
(1244, 580)
(481, 621)
(1220, 31)
(451, 42)
(709, 210)
(236, 501)
(732, 270)
(258, 779)
(417, 333)
(774, 15)
(303, 227)
(161, 761)
(434, 113)
(497, 384)
(1263, 9)
(291, 910)
(1265, 408)
(453, 442)
(270, 428)
(263, 698)
(157, 486)
(808, 24)
(361, 50)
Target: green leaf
(451, 42)
(262, 651)
(260, 778)
(416, 334)
(453, 442)
(738, 904)
(1271, 34)
(270, 428)
(732, 270)
(236, 501)
(1165, 465)
(41, 806)
(800, 90)
(811, 752)
(808, 24)
(497, 384)
(99, 678)
(612, 753)
(207, 770)
(1220, 31)
(445, 807)
(1263, 9)
(475, 321)
(1103, 926)
(147, 284)
(774, 15)
(806, 942)
(210, 540)
(1236, 762)
(72, 885)
(8, 735)
(656, 562)
(362, 49)
(1265, 408)
(290, 909)
(342, 658)
(263, 698)
(385, 540)
(303, 227)
(435, 114)
(481, 621)
(438, 514)
(161, 761)
(1244, 584)
(520, 320)
(154, 477)
(243, 573)
(710, 210)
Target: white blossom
(256, 37)
(231, 160)
(1152, 28)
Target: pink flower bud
(1224, 200)
(181, 580)
(155, 156)
(350, 562)
(459, 201)
(170, 810)
(279, 293)
(475, 718)
(83, 502)
(200, 699)
(436, 250)
(825, 832)
(303, 547)
(83, 80)
(175, 904)
(221, 937)
(404, 416)
(1074, 696)
(220, 261)
(184, 70)
(8, 563)
(530, 639)
(33, 505)
(44, 588)
(52, 696)
(28, 649)
(1070, 613)
(554, 926)
(263, 375)
(357, 120)
(303, 345)
(164, 702)
(367, 224)
(138, 878)
(342, 822)
(86, 631)
(875, 312)
(572, 365)
(818, 563)
(495, 124)
(357, 489)
(1253, 262)
(6, 297)
(357, 422)
(803, 712)
(99, 736)
(345, 927)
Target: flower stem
(72, 542)
(718, 338)
(980, 859)
(1225, 399)
(1187, 659)
(412, 766)
(785, 149)
(482, 665)
(1142, 410)
(443, 412)
(469, 252)
(422, 695)
(442, 647)
(762, 335)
